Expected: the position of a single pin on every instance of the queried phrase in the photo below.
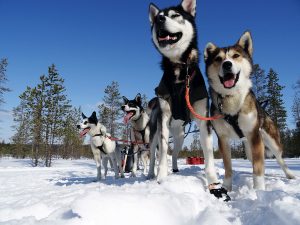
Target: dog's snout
(161, 18)
(78, 126)
(227, 66)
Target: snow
(67, 194)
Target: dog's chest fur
(140, 128)
(243, 105)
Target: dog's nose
(78, 126)
(227, 66)
(161, 18)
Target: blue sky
(94, 43)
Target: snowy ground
(66, 194)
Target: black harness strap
(233, 121)
(100, 147)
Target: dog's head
(173, 29)
(228, 69)
(87, 124)
(132, 108)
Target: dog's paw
(175, 170)
(219, 192)
(162, 173)
(132, 174)
(290, 176)
(150, 176)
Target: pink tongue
(165, 38)
(82, 133)
(127, 117)
(229, 83)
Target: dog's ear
(93, 118)
(125, 100)
(245, 42)
(138, 98)
(83, 116)
(189, 6)
(153, 11)
(94, 115)
(209, 49)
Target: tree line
(45, 120)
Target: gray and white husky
(175, 37)
(138, 118)
(228, 70)
(102, 146)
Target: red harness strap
(188, 103)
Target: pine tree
(113, 102)
(56, 108)
(104, 115)
(3, 79)
(296, 108)
(144, 101)
(22, 137)
(72, 143)
(259, 82)
(275, 107)
(33, 100)
(46, 106)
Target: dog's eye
(175, 16)
(85, 123)
(218, 59)
(235, 56)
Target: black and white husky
(175, 37)
(102, 146)
(139, 130)
(228, 70)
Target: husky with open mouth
(139, 131)
(102, 146)
(175, 37)
(228, 70)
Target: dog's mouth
(84, 132)
(165, 38)
(128, 115)
(229, 80)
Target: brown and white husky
(228, 70)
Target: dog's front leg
(153, 145)
(97, 157)
(257, 146)
(163, 140)
(226, 154)
(178, 137)
(113, 157)
(206, 141)
(135, 160)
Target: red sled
(194, 160)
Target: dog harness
(173, 90)
(233, 120)
(101, 146)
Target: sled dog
(139, 131)
(174, 35)
(228, 70)
(102, 146)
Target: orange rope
(187, 99)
